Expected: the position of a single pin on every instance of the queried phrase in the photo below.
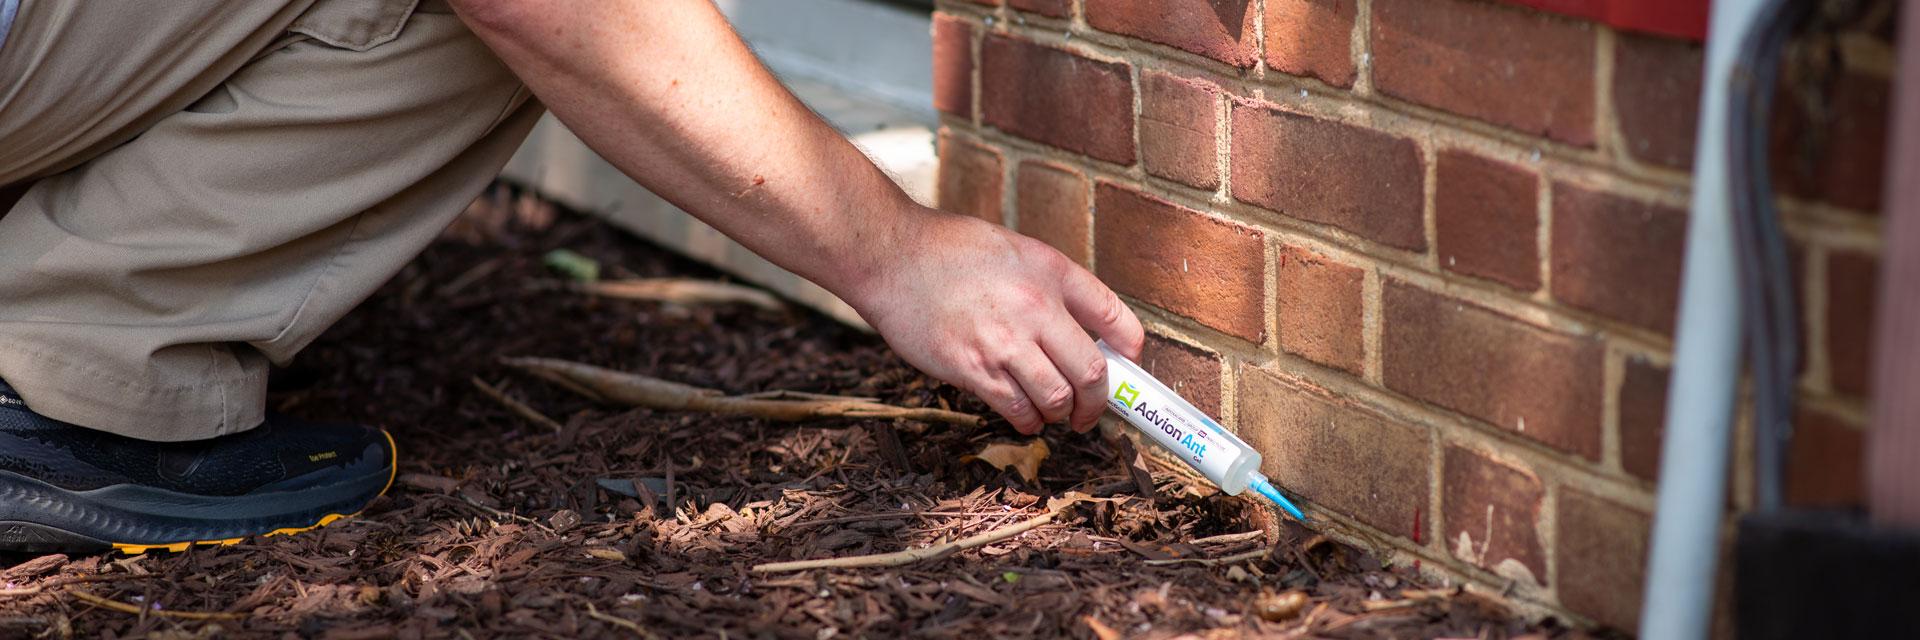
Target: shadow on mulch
(500, 528)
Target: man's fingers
(1095, 307)
(1004, 395)
(1046, 389)
(1084, 367)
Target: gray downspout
(1706, 369)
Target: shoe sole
(36, 517)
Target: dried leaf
(1024, 458)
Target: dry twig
(681, 291)
(123, 607)
(654, 393)
(1410, 598)
(1210, 562)
(1230, 538)
(517, 407)
(619, 622)
(933, 552)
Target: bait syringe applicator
(1173, 423)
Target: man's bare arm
(665, 91)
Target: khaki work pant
(206, 185)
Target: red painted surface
(1677, 18)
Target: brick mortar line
(1436, 533)
(1099, 45)
(1270, 304)
(1543, 236)
(1549, 536)
(1372, 328)
(1740, 485)
(1613, 374)
(1852, 412)
(1814, 295)
(1229, 389)
(976, 41)
(1360, 49)
(1608, 138)
(1832, 225)
(1429, 201)
(1222, 146)
(1010, 160)
(1259, 9)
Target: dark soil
(501, 528)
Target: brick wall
(1425, 254)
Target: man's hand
(1001, 315)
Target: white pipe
(1693, 469)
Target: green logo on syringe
(1127, 395)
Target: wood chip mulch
(634, 523)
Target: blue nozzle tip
(1267, 489)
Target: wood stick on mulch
(681, 291)
(123, 607)
(654, 393)
(935, 552)
(517, 407)
(1210, 562)
(618, 621)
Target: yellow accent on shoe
(393, 472)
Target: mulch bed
(640, 523)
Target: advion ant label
(1172, 422)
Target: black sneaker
(71, 489)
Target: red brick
(953, 65)
(1050, 8)
(1517, 68)
(1492, 515)
(1853, 293)
(1192, 372)
(1337, 453)
(1541, 384)
(969, 178)
(1364, 181)
(1643, 418)
(1055, 206)
(1601, 556)
(1178, 125)
(1055, 97)
(1181, 260)
(1218, 29)
(1319, 305)
(1839, 158)
(1312, 38)
(1486, 219)
(1826, 463)
(1656, 95)
(1617, 256)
